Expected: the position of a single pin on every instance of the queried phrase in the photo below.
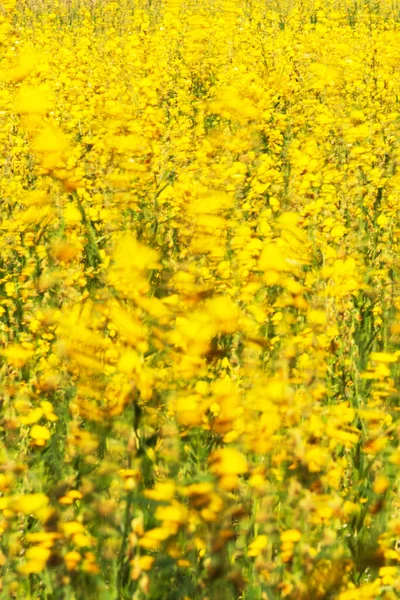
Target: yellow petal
(39, 432)
(28, 503)
(16, 355)
(228, 461)
(291, 535)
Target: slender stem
(91, 234)
(124, 544)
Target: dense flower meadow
(199, 299)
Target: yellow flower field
(200, 299)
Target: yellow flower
(33, 416)
(40, 434)
(31, 100)
(257, 545)
(175, 513)
(39, 553)
(272, 259)
(228, 461)
(385, 357)
(29, 503)
(153, 538)
(72, 559)
(225, 312)
(146, 562)
(72, 215)
(317, 317)
(82, 540)
(381, 484)
(70, 497)
(163, 490)
(290, 535)
(28, 60)
(189, 410)
(48, 410)
(72, 527)
(32, 566)
(17, 355)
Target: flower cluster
(199, 299)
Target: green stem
(124, 545)
(91, 234)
